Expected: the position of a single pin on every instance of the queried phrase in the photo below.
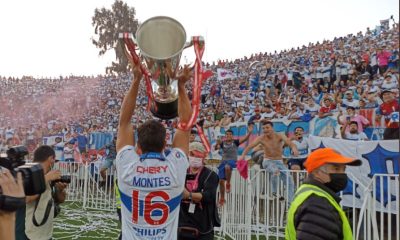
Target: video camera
(32, 173)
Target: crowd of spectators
(339, 76)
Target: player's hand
(184, 75)
(137, 73)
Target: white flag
(225, 73)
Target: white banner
(51, 140)
(378, 157)
(223, 73)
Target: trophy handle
(128, 41)
(191, 43)
(200, 40)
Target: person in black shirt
(198, 213)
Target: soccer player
(151, 183)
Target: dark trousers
(208, 236)
(375, 69)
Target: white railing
(235, 218)
(377, 218)
(255, 208)
(88, 186)
(271, 203)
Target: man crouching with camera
(42, 209)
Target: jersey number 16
(149, 207)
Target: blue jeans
(277, 170)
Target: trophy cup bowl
(161, 41)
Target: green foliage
(108, 23)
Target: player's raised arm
(125, 129)
(181, 137)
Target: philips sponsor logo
(150, 233)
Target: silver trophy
(160, 41)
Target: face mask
(338, 182)
(195, 162)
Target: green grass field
(76, 223)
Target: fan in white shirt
(388, 83)
(240, 99)
(353, 133)
(312, 107)
(269, 113)
(349, 101)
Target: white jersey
(302, 147)
(59, 151)
(68, 153)
(151, 190)
(346, 103)
(268, 115)
(356, 136)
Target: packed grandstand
(297, 85)
(323, 88)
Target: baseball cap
(323, 156)
(348, 91)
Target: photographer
(14, 189)
(41, 209)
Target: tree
(108, 23)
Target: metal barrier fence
(257, 207)
(88, 186)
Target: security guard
(315, 212)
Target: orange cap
(323, 156)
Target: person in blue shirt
(394, 60)
(242, 86)
(82, 143)
(111, 154)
